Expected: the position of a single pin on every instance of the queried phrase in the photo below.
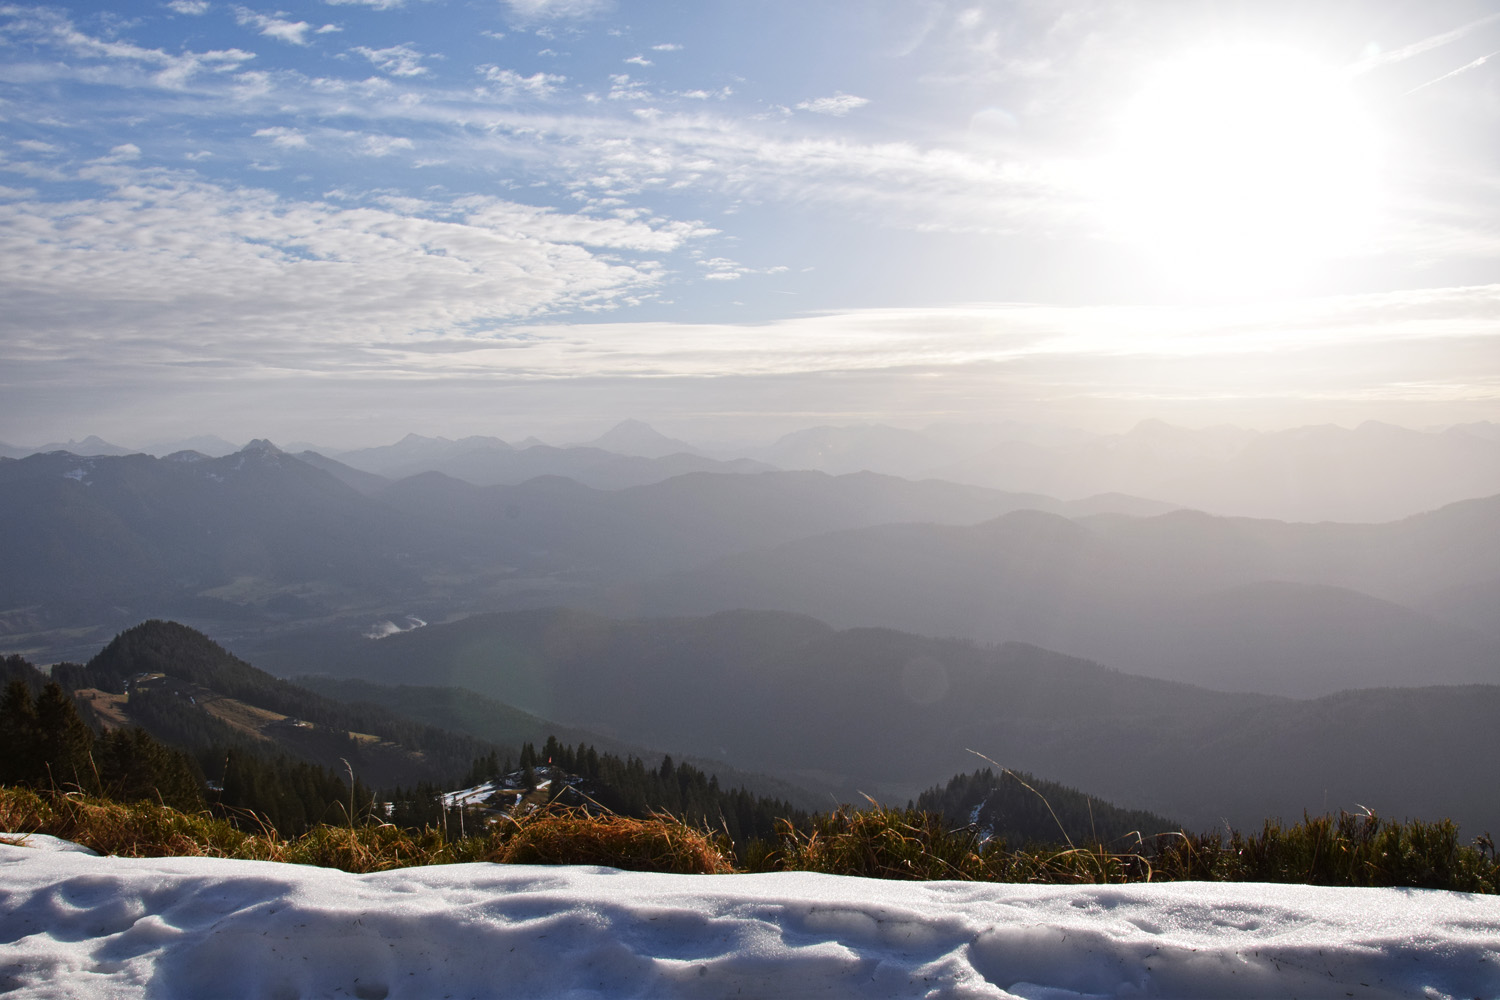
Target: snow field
(75, 925)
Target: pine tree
(20, 736)
(65, 740)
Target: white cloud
(397, 60)
(1001, 187)
(384, 145)
(376, 4)
(838, 105)
(898, 185)
(667, 47)
(535, 10)
(1475, 64)
(173, 70)
(725, 269)
(640, 61)
(275, 26)
(1406, 52)
(37, 146)
(510, 84)
(1188, 353)
(175, 260)
(282, 136)
(622, 88)
(190, 7)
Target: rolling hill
(1235, 603)
(888, 712)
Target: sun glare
(1243, 168)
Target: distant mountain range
(291, 560)
(885, 711)
(634, 437)
(1236, 604)
(90, 445)
(261, 539)
(215, 535)
(1375, 472)
(641, 456)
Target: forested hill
(1019, 808)
(887, 712)
(386, 747)
(284, 752)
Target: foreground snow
(74, 925)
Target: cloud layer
(551, 191)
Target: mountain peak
(260, 446)
(90, 447)
(636, 437)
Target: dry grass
(1350, 849)
(556, 836)
(876, 843)
(142, 830)
(574, 837)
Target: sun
(1241, 168)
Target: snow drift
(74, 925)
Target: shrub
(574, 837)
(880, 843)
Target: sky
(345, 220)
(186, 927)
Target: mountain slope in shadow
(890, 712)
(1233, 603)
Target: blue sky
(345, 220)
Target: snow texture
(72, 925)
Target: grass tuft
(660, 843)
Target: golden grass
(555, 836)
(141, 830)
(574, 837)
(876, 843)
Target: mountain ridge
(886, 711)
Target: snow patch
(477, 795)
(89, 926)
(502, 794)
(388, 628)
(45, 842)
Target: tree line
(44, 743)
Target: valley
(819, 636)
